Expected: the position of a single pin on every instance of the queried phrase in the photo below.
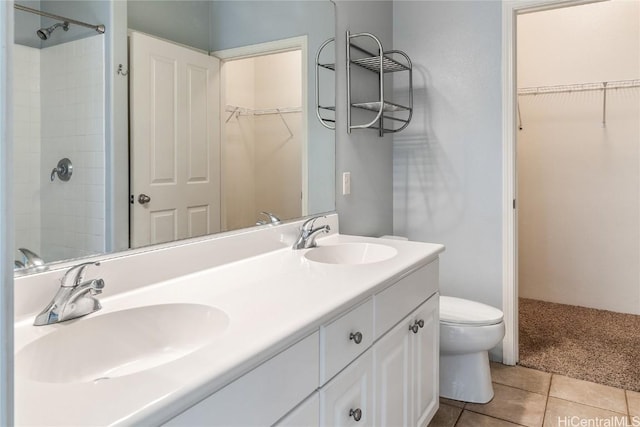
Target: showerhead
(44, 33)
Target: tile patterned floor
(530, 398)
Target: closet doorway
(263, 132)
(578, 191)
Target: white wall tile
(73, 217)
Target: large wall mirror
(221, 122)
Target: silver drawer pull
(357, 338)
(356, 414)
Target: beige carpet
(585, 343)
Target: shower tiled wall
(60, 112)
(27, 168)
(73, 115)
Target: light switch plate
(346, 183)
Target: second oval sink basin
(351, 253)
(120, 343)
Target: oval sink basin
(351, 253)
(120, 343)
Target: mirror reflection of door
(263, 138)
(174, 142)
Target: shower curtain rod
(581, 87)
(98, 28)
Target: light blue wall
(368, 210)
(182, 21)
(448, 162)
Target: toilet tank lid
(465, 312)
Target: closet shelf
(603, 87)
(580, 87)
(261, 112)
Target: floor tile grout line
(459, 416)
(495, 417)
(546, 402)
(626, 401)
(590, 406)
(519, 388)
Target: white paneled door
(175, 141)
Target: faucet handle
(96, 289)
(76, 273)
(308, 224)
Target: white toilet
(468, 330)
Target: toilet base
(466, 377)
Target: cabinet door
(392, 364)
(425, 353)
(347, 400)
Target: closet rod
(581, 87)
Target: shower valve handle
(63, 170)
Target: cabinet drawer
(262, 396)
(392, 304)
(344, 339)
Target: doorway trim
(510, 9)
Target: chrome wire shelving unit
(381, 63)
(325, 113)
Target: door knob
(143, 199)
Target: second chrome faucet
(307, 237)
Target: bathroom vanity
(256, 334)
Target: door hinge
(514, 203)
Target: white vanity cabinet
(395, 382)
(375, 364)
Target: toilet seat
(459, 311)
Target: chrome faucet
(30, 260)
(273, 220)
(74, 297)
(308, 234)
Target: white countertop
(272, 301)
